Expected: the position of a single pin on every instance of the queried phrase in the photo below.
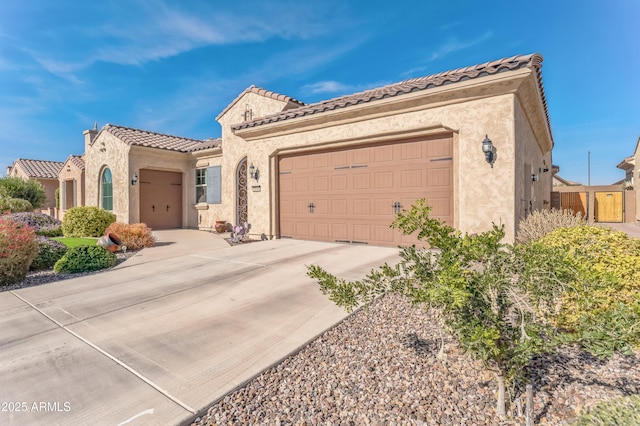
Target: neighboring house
(71, 183)
(628, 165)
(143, 176)
(475, 142)
(45, 172)
(636, 160)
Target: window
(201, 185)
(107, 190)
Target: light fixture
(134, 179)
(544, 169)
(534, 178)
(254, 172)
(489, 150)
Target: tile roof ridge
(42, 161)
(262, 92)
(109, 126)
(532, 61)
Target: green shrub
(541, 222)
(85, 259)
(43, 224)
(618, 411)
(134, 236)
(49, 252)
(18, 248)
(26, 189)
(86, 221)
(15, 205)
(605, 303)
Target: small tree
(498, 300)
(30, 190)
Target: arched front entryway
(242, 202)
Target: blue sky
(172, 66)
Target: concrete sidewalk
(632, 229)
(167, 332)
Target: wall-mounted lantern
(489, 150)
(544, 169)
(534, 178)
(254, 172)
(134, 179)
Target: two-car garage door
(352, 195)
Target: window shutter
(214, 185)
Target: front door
(160, 199)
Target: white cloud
(455, 45)
(326, 87)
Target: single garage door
(160, 199)
(352, 195)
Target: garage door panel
(339, 182)
(354, 191)
(411, 178)
(320, 183)
(383, 154)
(321, 230)
(383, 180)
(361, 156)
(362, 232)
(411, 151)
(338, 231)
(301, 184)
(362, 207)
(362, 181)
(339, 159)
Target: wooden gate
(574, 201)
(609, 206)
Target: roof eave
(472, 89)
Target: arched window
(107, 190)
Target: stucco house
(71, 184)
(45, 172)
(475, 141)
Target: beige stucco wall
(234, 149)
(71, 172)
(529, 153)
(108, 151)
(482, 195)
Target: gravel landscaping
(379, 367)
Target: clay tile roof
(39, 168)
(533, 61)
(139, 137)
(262, 92)
(78, 160)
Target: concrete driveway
(164, 334)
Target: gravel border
(379, 367)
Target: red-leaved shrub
(134, 236)
(18, 248)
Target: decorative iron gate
(241, 193)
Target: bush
(18, 248)
(85, 259)
(618, 411)
(86, 221)
(15, 205)
(134, 236)
(605, 303)
(541, 222)
(49, 252)
(43, 224)
(29, 189)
